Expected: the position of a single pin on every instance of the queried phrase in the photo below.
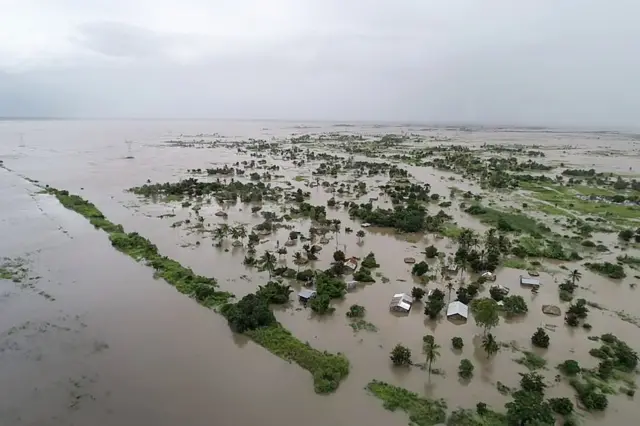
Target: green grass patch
(451, 231)
(515, 263)
(421, 411)
(466, 417)
(359, 324)
(532, 361)
(566, 198)
(328, 369)
(508, 222)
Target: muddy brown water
(110, 345)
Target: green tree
(339, 256)
(420, 268)
(485, 312)
(417, 293)
(430, 252)
(528, 408)
(465, 370)
(360, 234)
(490, 345)
(540, 338)
(401, 355)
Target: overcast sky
(550, 62)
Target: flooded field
(88, 336)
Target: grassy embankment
(327, 369)
(422, 411)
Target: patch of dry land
(461, 278)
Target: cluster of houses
(456, 310)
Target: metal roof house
(401, 302)
(457, 309)
(529, 281)
(351, 263)
(306, 294)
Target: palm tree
(360, 234)
(490, 345)
(466, 238)
(268, 261)
(297, 259)
(575, 276)
(282, 251)
(432, 353)
(449, 287)
(336, 230)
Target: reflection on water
(117, 347)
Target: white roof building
(401, 302)
(529, 281)
(306, 294)
(457, 309)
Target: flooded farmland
(89, 336)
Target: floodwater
(91, 338)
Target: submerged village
(457, 283)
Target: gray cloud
(496, 62)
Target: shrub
(248, 313)
(569, 367)
(339, 256)
(401, 355)
(305, 275)
(321, 304)
(363, 275)
(465, 370)
(431, 252)
(532, 382)
(540, 338)
(356, 311)
(562, 406)
(457, 343)
(419, 269)
(370, 261)
(496, 294)
(514, 305)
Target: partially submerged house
(489, 276)
(528, 281)
(401, 302)
(351, 264)
(457, 310)
(306, 294)
(502, 289)
(351, 285)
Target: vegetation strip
(422, 411)
(327, 369)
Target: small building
(502, 289)
(401, 302)
(365, 225)
(489, 276)
(351, 285)
(452, 268)
(528, 281)
(306, 294)
(457, 310)
(351, 263)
